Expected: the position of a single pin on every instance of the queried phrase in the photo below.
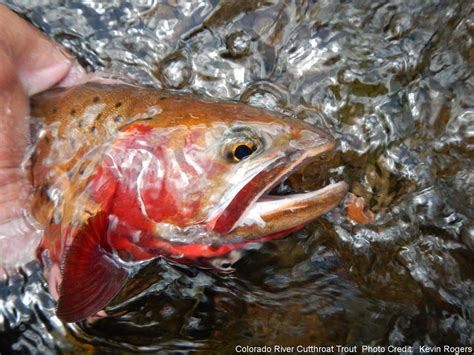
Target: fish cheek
(160, 206)
(158, 195)
(102, 186)
(171, 189)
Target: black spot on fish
(98, 116)
(93, 129)
(73, 112)
(96, 99)
(81, 172)
(118, 104)
(55, 110)
(80, 123)
(163, 98)
(117, 119)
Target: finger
(13, 116)
(39, 62)
(14, 129)
(18, 242)
(29, 63)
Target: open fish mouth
(270, 215)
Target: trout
(124, 174)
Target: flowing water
(392, 80)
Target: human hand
(29, 63)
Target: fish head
(205, 178)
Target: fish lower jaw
(272, 214)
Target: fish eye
(241, 150)
(239, 143)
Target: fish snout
(313, 142)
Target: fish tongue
(90, 277)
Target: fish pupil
(242, 151)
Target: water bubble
(238, 44)
(265, 95)
(175, 71)
(400, 25)
(145, 6)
